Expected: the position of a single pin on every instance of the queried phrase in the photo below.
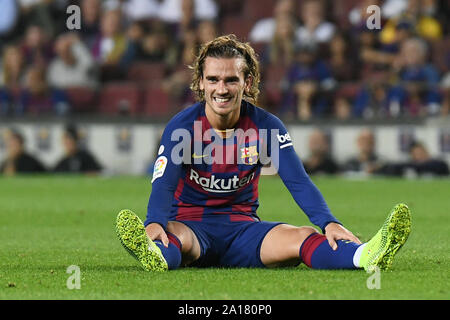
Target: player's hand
(334, 232)
(156, 232)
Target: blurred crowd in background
(318, 58)
(77, 158)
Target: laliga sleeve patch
(161, 149)
(159, 168)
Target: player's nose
(221, 87)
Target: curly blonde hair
(227, 47)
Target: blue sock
(316, 253)
(172, 253)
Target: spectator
(184, 14)
(423, 164)
(366, 161)
(340, 62)
(206, 31)
(369, 57)
(37, 12)
(342, 107)
(430, 23)
(377, 51)
(110, 46)
(12, 77)
(17, 159)
(417, 90)
(28, 91)
(420, 164)
(310, 83)
(73, 66)
(76, 159)
(319, 160)
(13, 68)
(281, 49)
(149, 44)
(314, 29)
(414, 92)
(264, 29)
(179, 81)
(36, 47)
(37, 97)
(420, 16)
(140, 10)
(134, 50)
(90, 20)
(371, 100)
(375, 56)
(154, 47)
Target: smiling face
(224, 84)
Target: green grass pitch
(50, 223)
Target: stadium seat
(274, 72)
(156, 101)
(82, 99)
(440, 54)
(348, 90)
(258, 9)
(260, 48)
(272, 80)
(121, 97)
(230, 7)
(237, 25)
(145, 72)
(341, 10)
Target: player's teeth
(221, 100)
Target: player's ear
(248, 84)
(200, 84)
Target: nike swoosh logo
(195, 156)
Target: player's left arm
(303, 190)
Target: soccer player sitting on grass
(202, 208)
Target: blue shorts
(230, 244)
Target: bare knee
(181, 232)
(282, 244)
(305, 232)
(190, 247)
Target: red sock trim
(174, 240)
(309, 246)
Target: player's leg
(183, 246)
(381, 249)
(378, 252)
(153, 255)
(280, 244)
(287, 245)
(186, 241)
(131, 233)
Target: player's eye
(232, 80)
(211, 79)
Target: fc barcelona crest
(249, 155)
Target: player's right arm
(156, 232)
(166, 174)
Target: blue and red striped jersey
(201, 174)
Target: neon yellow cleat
(381, 249)
(132, 235)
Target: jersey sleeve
(167, 171)
(292, 173)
